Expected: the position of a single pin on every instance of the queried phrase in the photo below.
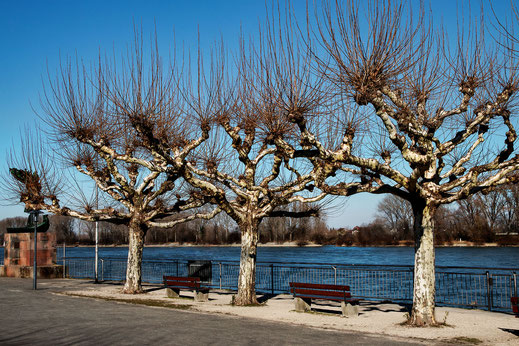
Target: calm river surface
(489, 257)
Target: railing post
(515, 283)
(272, 278)
(220, 270)
(411, 288)
(64, 258)
(489, 290)
(102, 269)
(334, 275)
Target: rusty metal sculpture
(40, 227)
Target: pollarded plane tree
(252, 183)
(250, 178)
(249, 167)
(115, 125)
(429, 123)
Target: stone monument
(19, 252)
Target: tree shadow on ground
(385, 306)
(152, 289)
(263, 298)
(511, 331)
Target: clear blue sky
(34, 34)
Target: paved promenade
(44, 317)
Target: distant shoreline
(294, 244)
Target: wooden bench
(304, 293)
(515, 305)
(174, 284)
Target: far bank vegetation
(490, 218)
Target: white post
(97, 254)
(96, 269)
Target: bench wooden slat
(320, 293)
(304, 293)
(181, 283)
(353, 301)
(191, 287)
(312, 297)
(178, 282)
(319, 286)
(174, 284)
(181, 278)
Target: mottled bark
(247, 278)
(422, 313)
(137, 231)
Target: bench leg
(302, 305)
(172, 293)
(201, 296)
(349, 310)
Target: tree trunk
(424, 272)
(247, 279)
(137, 231)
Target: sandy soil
(463, 326)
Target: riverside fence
(475, 287)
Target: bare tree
(423, 121)
(10, 222)
(250, 166)
(63, 226)
(251, 183)
(482, 215)
(129, 128)
(397, 214)
(510, 212)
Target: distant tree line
(482, 218)
(220, 230)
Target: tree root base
(132, 291)
(245, 302)
(422, 323)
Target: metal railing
(482, 288)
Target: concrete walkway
(47, 318)
(79, 311)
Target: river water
(487, 257)
(461, 282)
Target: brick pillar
(19, 253)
